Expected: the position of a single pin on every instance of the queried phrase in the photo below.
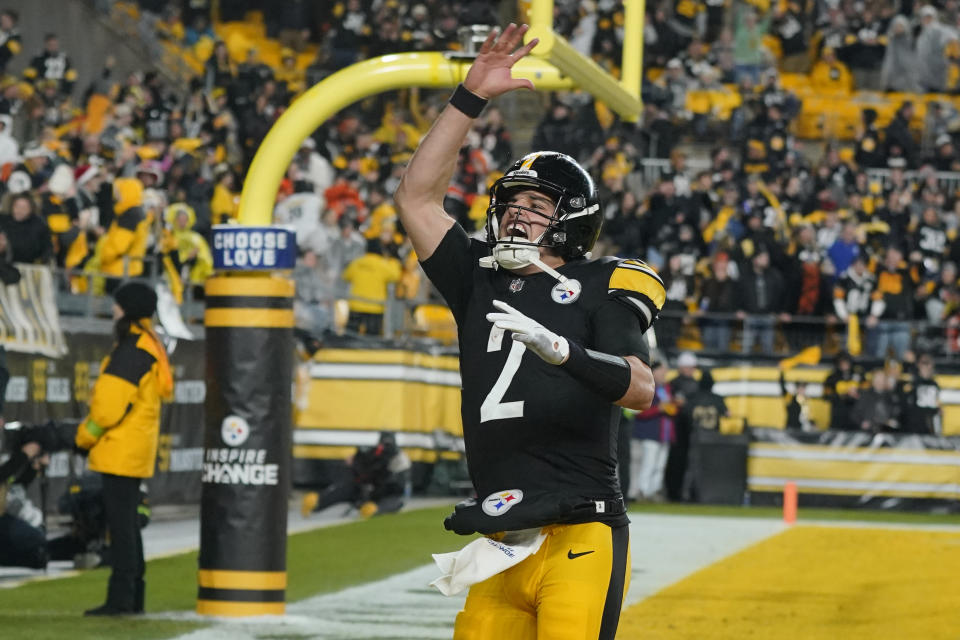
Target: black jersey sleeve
(618, 330)
(450, 269)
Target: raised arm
(419, 197)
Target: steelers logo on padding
(234, 431)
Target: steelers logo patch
(566, 292)
(497, 504)
(234, 431)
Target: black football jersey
(529, 425)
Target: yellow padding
(280, 287)
(814, 583)
(226, 579)
(240, 609)
(243, 317)
(388, 356)
(845, 470)
(324, 452)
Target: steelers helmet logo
(497, 504)
(566, 292)
(234, 431)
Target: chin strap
(517, 255)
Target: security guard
(121, 433)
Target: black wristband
(467, 102)
(606, 375)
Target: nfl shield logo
(516, 285)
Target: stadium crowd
(766, 243)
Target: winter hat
(136, 299)
(84, 173)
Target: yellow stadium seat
(435, 321)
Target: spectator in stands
(378, 482)
(558, 131)
(891, 308)
(869, 153)
(52, 65)
(899, 141)
(26, 232)
(9, 274)
(900, 70)
(653, 433)
(188, 250)
(876, 409)
(865, 42)
(10, 43)
(684, 386)
(931, 51)
(920, 396)
(369, 277)
(797, 405)
(122, 249)
(225, 204)
(787, 26)
(841, 388)
(945, 156)
(718, 296)
(9, 147)
(830, 76)
(761, 297)
(313, 305)
(749, 52)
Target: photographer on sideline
(121, 432)
(22, 539)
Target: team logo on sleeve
(497, 504)
(566, 292)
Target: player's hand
(489, 75)
(553, 349)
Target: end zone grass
(318, 561)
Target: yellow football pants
(571, 589)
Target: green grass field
(319, 561)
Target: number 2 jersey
(533, 433)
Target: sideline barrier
(43, 388)
(345, 397)
(854, 469)
(29, 319)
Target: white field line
(403, 607)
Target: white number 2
(492, 408)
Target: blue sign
(239, 248)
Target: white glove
(552, 348)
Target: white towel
(483, 558)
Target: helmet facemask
(516, 251)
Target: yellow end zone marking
(813, 582)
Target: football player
(550, 341)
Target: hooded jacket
(124, 245)
(122, 428)
(900, 69)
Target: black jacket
(762, 292)
(29, 239)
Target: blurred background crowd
(792, 176)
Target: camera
(50, 435)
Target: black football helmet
(573, 227)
